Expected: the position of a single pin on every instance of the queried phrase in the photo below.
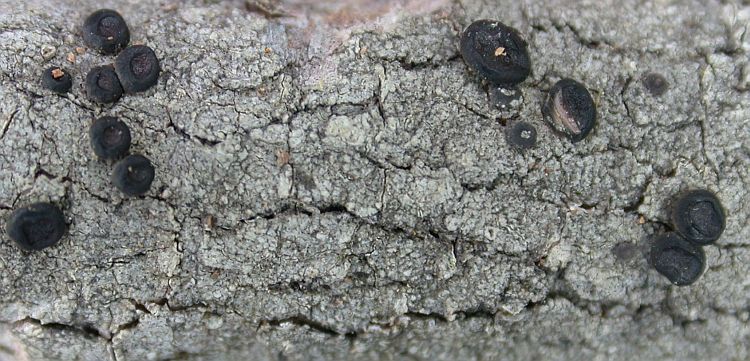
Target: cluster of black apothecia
(697, 219)
(495, 51)
(498, 54)
(136, 69)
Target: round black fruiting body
(138, 68)
(522, 135)
(110, 138)
(133, 175)
(496, 52)
(57, 79)
(682, 262)
(37, 226)
(106, 31)
(102, 85)
(570, 110)
(698, 216)
(504, 97)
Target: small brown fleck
(80, 50)
(71, 58)
(282, 158)
(641, 219)
(268, 51)
(169, 7)
(337, 301)
(58, 73)
(500, 51)
(209, 222)
(270, 9)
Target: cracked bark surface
(332, 183)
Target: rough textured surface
(332, 183)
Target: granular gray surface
(333, 183)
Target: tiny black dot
(37, 226)
(656, 84)
(106, 31)
(625, 251)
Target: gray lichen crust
(333, 183)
